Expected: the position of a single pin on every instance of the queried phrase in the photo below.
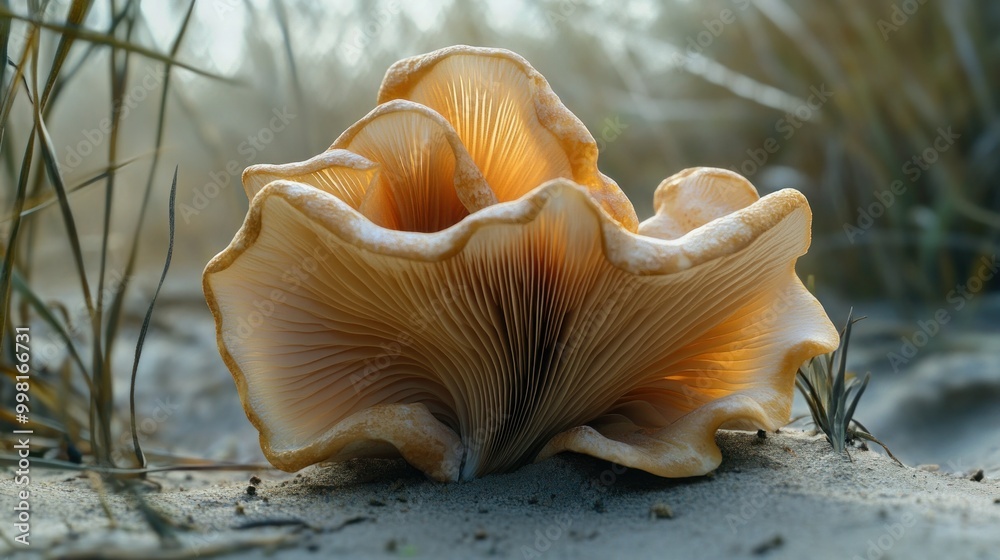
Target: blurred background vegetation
(663, 86)
(885, 114)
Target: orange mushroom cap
(455, 282)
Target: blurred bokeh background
(883, 113)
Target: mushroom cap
(514, 126)
(401, 295)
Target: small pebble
(255, 480)
(252, 490)
(376, 502)
(480, 534)
(661, 511)
(240, 510)
(978, 477)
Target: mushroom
(456, 283)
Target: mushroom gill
(456, 283)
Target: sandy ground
(787, 496)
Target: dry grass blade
(100, 417)
(145, 324)
(18, 78)
(118, 74)
(66, 77)
(969, 59)
(77, 12)
(115, 311)
(98, 38)
(65, 405)
(7, 273)
(4, 42)
(293, 68)
(25, 292)
(55, 176)
(42, 202)
(114, 316)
